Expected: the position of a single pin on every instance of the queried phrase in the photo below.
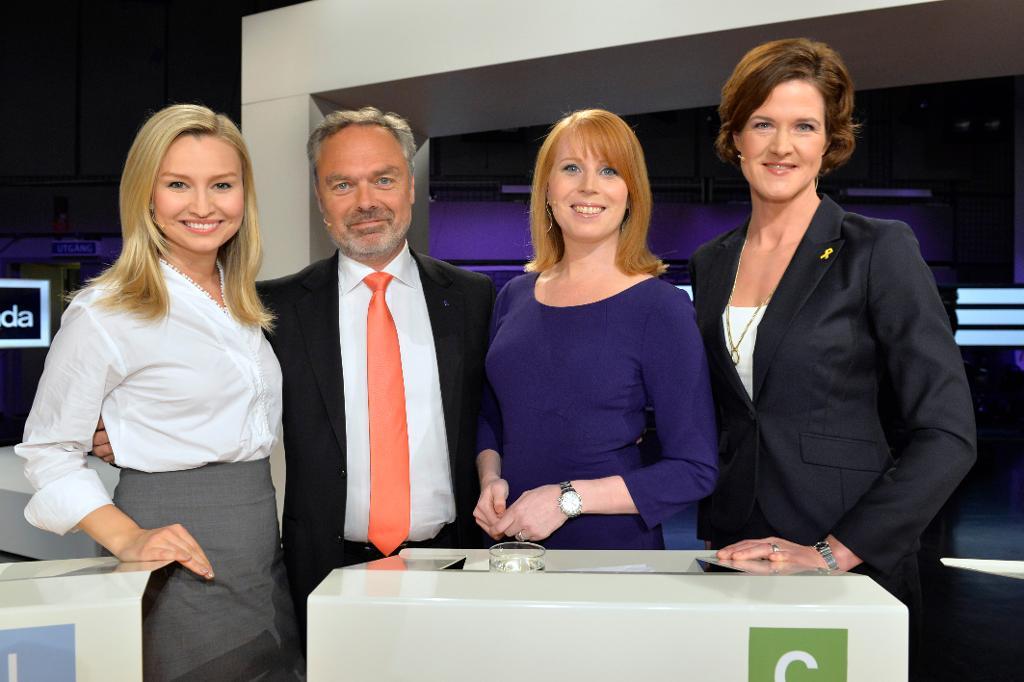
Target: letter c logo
(788, 658)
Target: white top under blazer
(192, 388)
(738, 318)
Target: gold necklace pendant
(734, 346)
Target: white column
(293, 233)
(419, 233)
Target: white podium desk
(645, 616)
(73, 620)
(1008, 569)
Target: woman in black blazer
(846, 420)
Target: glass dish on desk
(517, 557)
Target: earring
(625, 219)
(324, 218)
(739, 156)
(547, 209)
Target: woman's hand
(534, 516)
(778, 549)
(116, 531)
(763, 548)
(170, 542)
(491, 506)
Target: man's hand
(101, 444)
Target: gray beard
(390, 246)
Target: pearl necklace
(220, 272)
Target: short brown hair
(779, 61)
(610, 138)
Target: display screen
(24, 313)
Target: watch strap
(825, 550)
(567, 490)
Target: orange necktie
(389, 433)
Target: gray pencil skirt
(240, 625)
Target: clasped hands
(533, 517)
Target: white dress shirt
(738, 318)
(192, 388)
(432, 502)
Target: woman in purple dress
(580, 347)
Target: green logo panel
(797, 655)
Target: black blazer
(861, 422)
(306, 341)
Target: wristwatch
(570, 501)
(825, 550)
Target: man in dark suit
(362, 162)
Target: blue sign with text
(73, 248)
(41, 653)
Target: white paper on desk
(626, 568)
(1009, 569)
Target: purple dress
(568, 390)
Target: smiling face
(587, 196)
(198, 199)
(782, 143)
(365, 192)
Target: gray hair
(336, 121)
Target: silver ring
(520, 536)
(775, 548)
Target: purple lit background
(499, 231)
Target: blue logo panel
(43, 653)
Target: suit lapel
(318, 318)
(446, 308)
(714, 298)
(810, 263)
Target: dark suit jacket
(306, 341)
(843, 337)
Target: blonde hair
(608, 137)
(134, 283)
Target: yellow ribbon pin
(825, 254)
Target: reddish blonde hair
(608, 137)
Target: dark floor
(972, 621)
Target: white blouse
(192, 388)
(738, 318)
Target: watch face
(570, 503)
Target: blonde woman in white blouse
(167, 347)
